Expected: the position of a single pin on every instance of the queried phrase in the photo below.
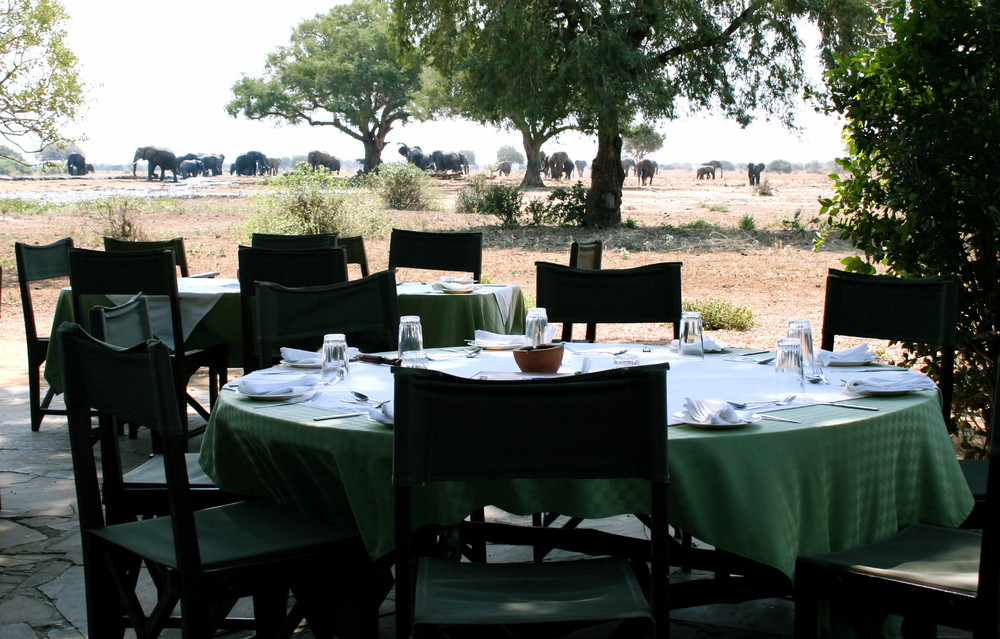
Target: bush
(504, 203)
(470, 198)
(404, 186)
(780, 166)
(719, 314)
(119, 218)
(764, 188)
(747, 223)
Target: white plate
(495, 347)
(857, 363)
(297, 391)
(881, 393)
(471, 290)
(681, 416)
(300, 365)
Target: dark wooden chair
(288, 267)
(204, 560)
(584, 255)
(930, 575)
(570, 295)
(37, 263)
(176, 245)
(286, 242)
(356, 253)
(457, 252)
(432, 443)
(365, 310)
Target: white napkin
(857, 354)
(711, 346)
(299, 356)
(383, 415)
(891, 382)
(461, 279)
(455, 286)
(703, 411)
(251, 386)
(486, 338)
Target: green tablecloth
(768, 492)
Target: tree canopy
(39, 87)
(641, 140)
(598, 66)
(507, 153)
(919, 193)
(342, 69)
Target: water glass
(414, 359)
(692, 341)
(801, 330)
(788, 377)
(334, 359)
(535, 326)
(626, 360)
(411, 334)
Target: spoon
(784, 402)
(361, 397)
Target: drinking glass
(334, 359)
(625, 360)
(411, 334)
(692, 342)
(801, 330)
(535, 326)
(414, 359)
(788, 377)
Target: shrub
(780, 166)
(404, 186)
(719, 314)
(504, 203)
(470, 198)
(568, 206)
(119, 218)
(747, 223)
(764, 188)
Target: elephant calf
(706, 171)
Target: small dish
(865, 362)
(880, 393)
(683, 418)
(294, 393)
(306, 364)
(451, 292)
(494, 347)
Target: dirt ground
(773, 271)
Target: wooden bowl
(544, 358)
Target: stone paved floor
(41, 574)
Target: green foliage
(568, 205)
(315, 201)
(16, 207)
(698, 225)
(748, 223)
(504, 203)
(40, 91)
(641, 140)
(12, 162)
(722, 315)
(715, 208)
(918, 193)
(508, 153)
(404, 186)
(342, 69)
(779, 166)
(120, 218)
(470, 198)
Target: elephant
(580, 166)
(753, 172)
(213, 163)
(557, 165)
(275, 164)
(543, 163)
(186, 156)
(415, 156)
(260, 164)
(568, 168)
(504, 168)
(628, 164)
(317, 159)
(243, 166)
(645, 169)
(76, 164)
(716, 164)
(449, 161)
(191, 168)
(156, 157)
(90, 168)
(706, 171)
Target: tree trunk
(533, 174)
(373, 153)
(604, 200)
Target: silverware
(364, 399)
(887, 369)
(783, 402)
(753, 353)
(337, 416)
(778, 419)
(843, 405)
(591, 352)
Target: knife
(337, 416)
(778, 419)
(378, 359)
(842, 405)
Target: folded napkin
(250, 385)
(486, 338)
(711, 346)
(703, 411)
(383, 415)
(455, 286)
(891, 382)
(301, 357)
(461, 279)
(857, 354)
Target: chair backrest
(36, 263)
(586, 254)
(284, 242)
(989, 556)
(922, 310)
(366, 310)
(356, 253)
(175, 244)
(609, 425)
(644, 294)
(288, 267)
(124, 325)
(462, 252)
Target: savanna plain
(737, 245)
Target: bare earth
(774, 272)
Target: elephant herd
(708, 169)
(194, 165)
(436, 161)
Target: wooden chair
(288, 267)
(286, 242)
(930, 575)
(432, 442)
(584, 255)
(356, 253)
(365, 310)
(649, 293)
(152, 272)
(36, 264)
(202, 560)
(176, 245)
(460, 252)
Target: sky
(161, 74)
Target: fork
(783, 402)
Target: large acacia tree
(342, 69)
(599, 65)
(39, 87)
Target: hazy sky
(161, 73)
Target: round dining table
(825, 478)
